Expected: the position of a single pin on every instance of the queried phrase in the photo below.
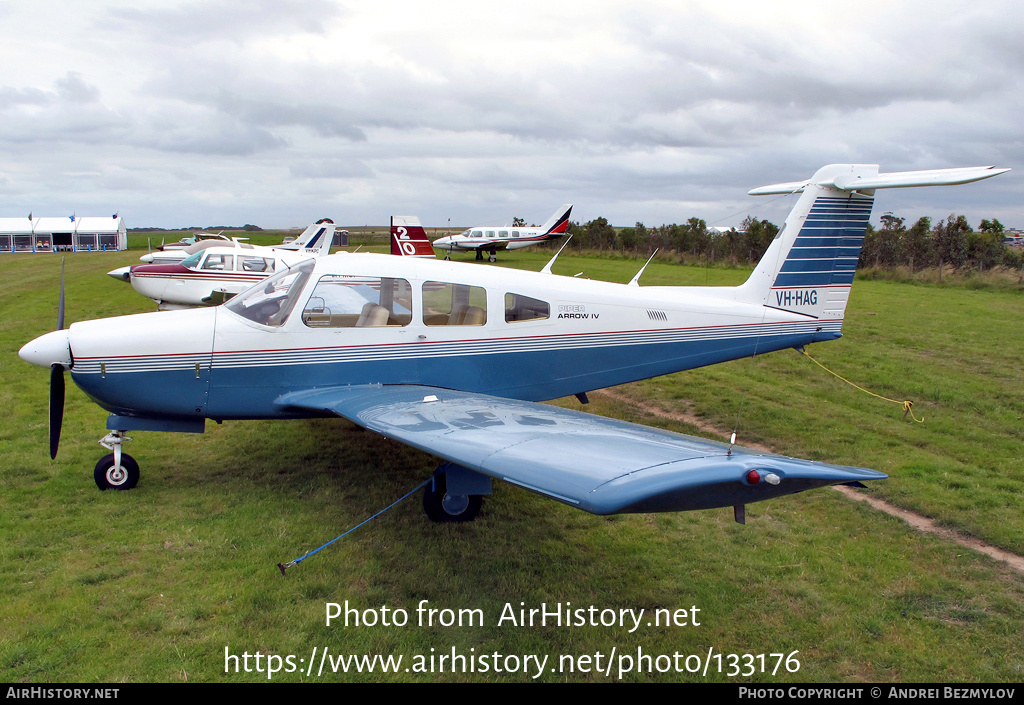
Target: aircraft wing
(594, 463)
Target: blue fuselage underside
(247, 391)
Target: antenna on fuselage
(547, 267)
(635, 281)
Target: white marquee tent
(63, 234)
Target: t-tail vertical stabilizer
(808, 269)
(315, 240)
(408, 238)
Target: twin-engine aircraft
(491, 238)
(212, 274)
(452, 358)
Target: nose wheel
(117, 470)
(112, 476)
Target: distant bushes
(919, 253)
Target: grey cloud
(74, 89)
(330, 169)
(11, 97)
(228, 20)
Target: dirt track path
(919, 522)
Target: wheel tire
(445, 508)
(110, 477)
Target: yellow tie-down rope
(906, 404)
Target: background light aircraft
(451, 359)
(212, 275)
(187, 242)
(492, 238)
(306, 240)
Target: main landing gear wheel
(109, 476)
(493, 257)
(446, 508)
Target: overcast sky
(278, 112)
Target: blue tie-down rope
(294, 563)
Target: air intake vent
(657, 315)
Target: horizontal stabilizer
(858, 177)
(597, 464)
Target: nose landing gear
(117, 470)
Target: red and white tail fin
(408, 238)
(559, 222)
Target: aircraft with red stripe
(491, 238)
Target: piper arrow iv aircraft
(211, 275)
(493, 238)
(451, 358)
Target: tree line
(950, 242)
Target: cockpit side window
(342, 301)
(446, 304)
(223, 263)
(270, 302)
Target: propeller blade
(56, 406)
(60, 307)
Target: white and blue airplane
(452, 358)
(491, 238)
(210, 274)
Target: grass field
(154, 584)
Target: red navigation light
(753, 478)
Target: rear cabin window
(447, 304)
(255, 264)
(525, 308)
(341, 301)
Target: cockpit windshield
(192, 261)
(271, 301)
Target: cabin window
(446, 304)
(271, 301)
(255, 264)
(515, 233)
(503, 233)
(342, 301)
(478, 233)
(220, 263)
(489, 234)
(524, 308)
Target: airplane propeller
(57, 381)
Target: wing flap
(598, 464)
